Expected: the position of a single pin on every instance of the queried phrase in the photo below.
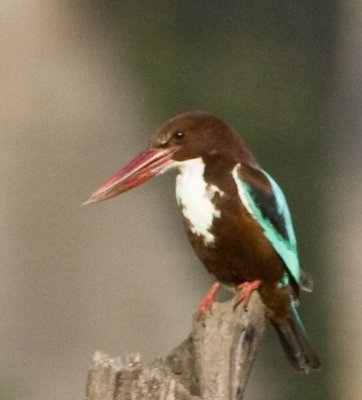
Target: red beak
(142, 168)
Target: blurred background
(83, 86)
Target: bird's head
(184, 137)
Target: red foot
(247, 288)
(208, 301)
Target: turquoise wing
(265, 201)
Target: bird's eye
(178, 135)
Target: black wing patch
(268, 206)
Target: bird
(236, 218)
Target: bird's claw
(208, 301)
(247, 288)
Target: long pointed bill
(142, 168)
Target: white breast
(195, 196)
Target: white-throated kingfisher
(236, 218)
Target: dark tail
(295, 343)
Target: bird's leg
(247, 288)
(208, 300)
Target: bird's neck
(195, 198)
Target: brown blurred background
(83, 86)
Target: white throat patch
(195, 196)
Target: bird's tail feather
(295, 343)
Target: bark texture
(213, 363)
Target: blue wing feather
(267, 204)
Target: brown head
(184, 137)
(198, 134)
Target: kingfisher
(236, 218)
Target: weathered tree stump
(213, 363)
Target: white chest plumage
(195, 196)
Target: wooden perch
(213, 363)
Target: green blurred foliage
(9, 390)
(266, 67)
